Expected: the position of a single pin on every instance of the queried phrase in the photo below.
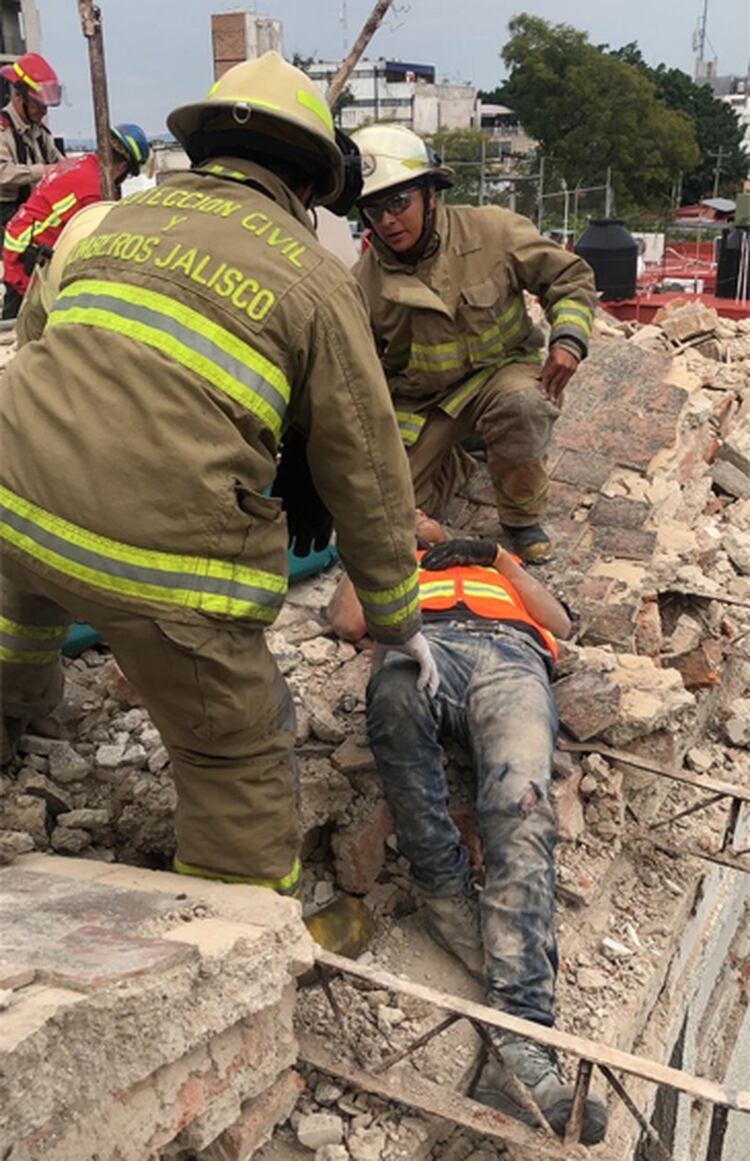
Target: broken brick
(257, 1121)
(700, 668)
(619, 511)
(648, 633)
(359, 848)
(587, 703)
(626, 543)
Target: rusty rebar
(648, 1129)
(415, 1044)
(580, 1093)
(91, 24)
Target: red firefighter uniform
(64, 190)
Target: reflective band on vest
(217, 356)
(190, 582)
(482, 590)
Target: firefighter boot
(453, 922)
(531, 543)
(536, 1067)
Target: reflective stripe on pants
(215, 694)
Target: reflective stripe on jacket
(444, 324)
(193, 326)
(484, 591)
(63, 191)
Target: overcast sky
(159, 51)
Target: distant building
(402, 91)
(238, 36)
(736, 92)
(502, 124)
(19, 29)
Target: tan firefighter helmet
(393, 155)
(276, 108)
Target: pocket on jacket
(255, 505)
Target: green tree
(716, 126)
(589, 111)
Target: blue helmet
(134, 142)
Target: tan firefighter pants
(515, 420)
(214, 693)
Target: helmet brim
(440, 178)
(275, 131)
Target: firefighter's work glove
(33, 256)
(309, 521)
(418, 649)
(455, 552)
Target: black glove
(455, 552)
(309, 521)
(34, 255)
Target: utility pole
(91, 23)
(369, 28)
(719, 155)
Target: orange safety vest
(482, 590)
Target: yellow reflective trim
(184, 316)
(317, 106)
(410, 426)
(572, 320)
(385, 596)
(198, 567)
(436, 589)
(33, 632)
(17, 245)
(30, 657)
(27, 80)
(399, 615)
(454, 401)
(477, 589)
(286, 884)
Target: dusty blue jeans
(495, 701)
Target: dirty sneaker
(531, 543)
(536, 1066)
(453, 922)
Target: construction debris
(650, 505)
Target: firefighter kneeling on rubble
(199, 326)
(491, 628)
(445, 286)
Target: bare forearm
(539, 601)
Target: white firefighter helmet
(272, 106)
(392, 156)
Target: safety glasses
(395, 205)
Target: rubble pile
(650, 513)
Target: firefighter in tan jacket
(445, 287)
(197, 326)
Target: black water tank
(612, 253)
(728, 262)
